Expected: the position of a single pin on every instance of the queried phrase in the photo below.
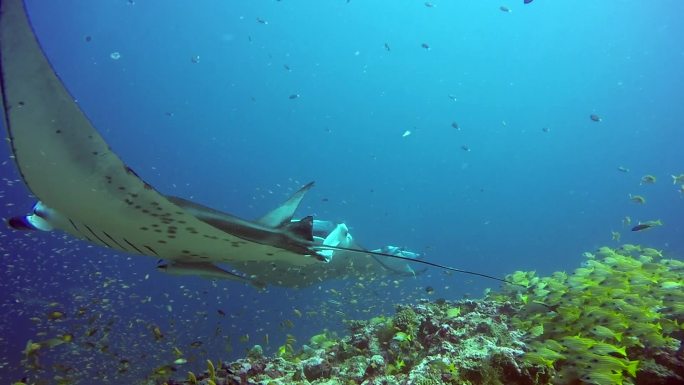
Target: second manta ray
(86, 190)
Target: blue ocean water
(199, 104)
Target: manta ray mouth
(413, 260)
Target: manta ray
(86, 190)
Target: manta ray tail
(424, 262)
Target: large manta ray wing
(71, 169)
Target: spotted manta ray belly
(70, 168)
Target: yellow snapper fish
(605, 333)
(608, 363)
(678, 179)
(602, 348)
(602, 378)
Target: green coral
(428, 376)
(428, 381)
(385, 330)
(596, 324)
(444, 367)
(406, 321)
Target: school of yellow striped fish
(599, 323)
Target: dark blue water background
(225, 132)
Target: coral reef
(425, 344)
(615, 320)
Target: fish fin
(21, 223)
(29, 222)
(204, 270)
(339, 234)
(283, 214)
(302, 229)
(632, 368)
(35, 221)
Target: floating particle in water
(115, 55)
(195, 59)
(465, 148)
(88, 38)
(429, 4)
(406, 133)
(455, 126)
(504, 8)
(426, 46)
(595, 118)
(387, 47)
(294, 96)
(546, 129)
(261, 21)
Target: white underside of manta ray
(86, 190)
